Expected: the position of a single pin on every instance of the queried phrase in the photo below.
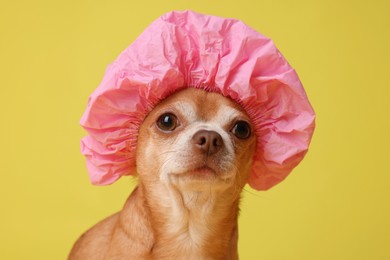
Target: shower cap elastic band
(188, 49)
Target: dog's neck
(202, 225)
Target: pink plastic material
(188, 49)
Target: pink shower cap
(188, 49)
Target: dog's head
(196, 140)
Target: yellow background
(335, 205)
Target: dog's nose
(209, 142)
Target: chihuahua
(194, 156)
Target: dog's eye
(242, 130)
(167, 122)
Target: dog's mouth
(203, 172)
(203, 177)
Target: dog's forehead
(200, 105)
(197, 105)
(221, 113)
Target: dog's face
(196, 140)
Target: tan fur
(179, 210)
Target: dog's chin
(201, 178)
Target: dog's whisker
(168, 152)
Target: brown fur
(186, 216)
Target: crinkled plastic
(188, 49)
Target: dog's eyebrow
(228, 114)
(187, 110)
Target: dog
(193, 159)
